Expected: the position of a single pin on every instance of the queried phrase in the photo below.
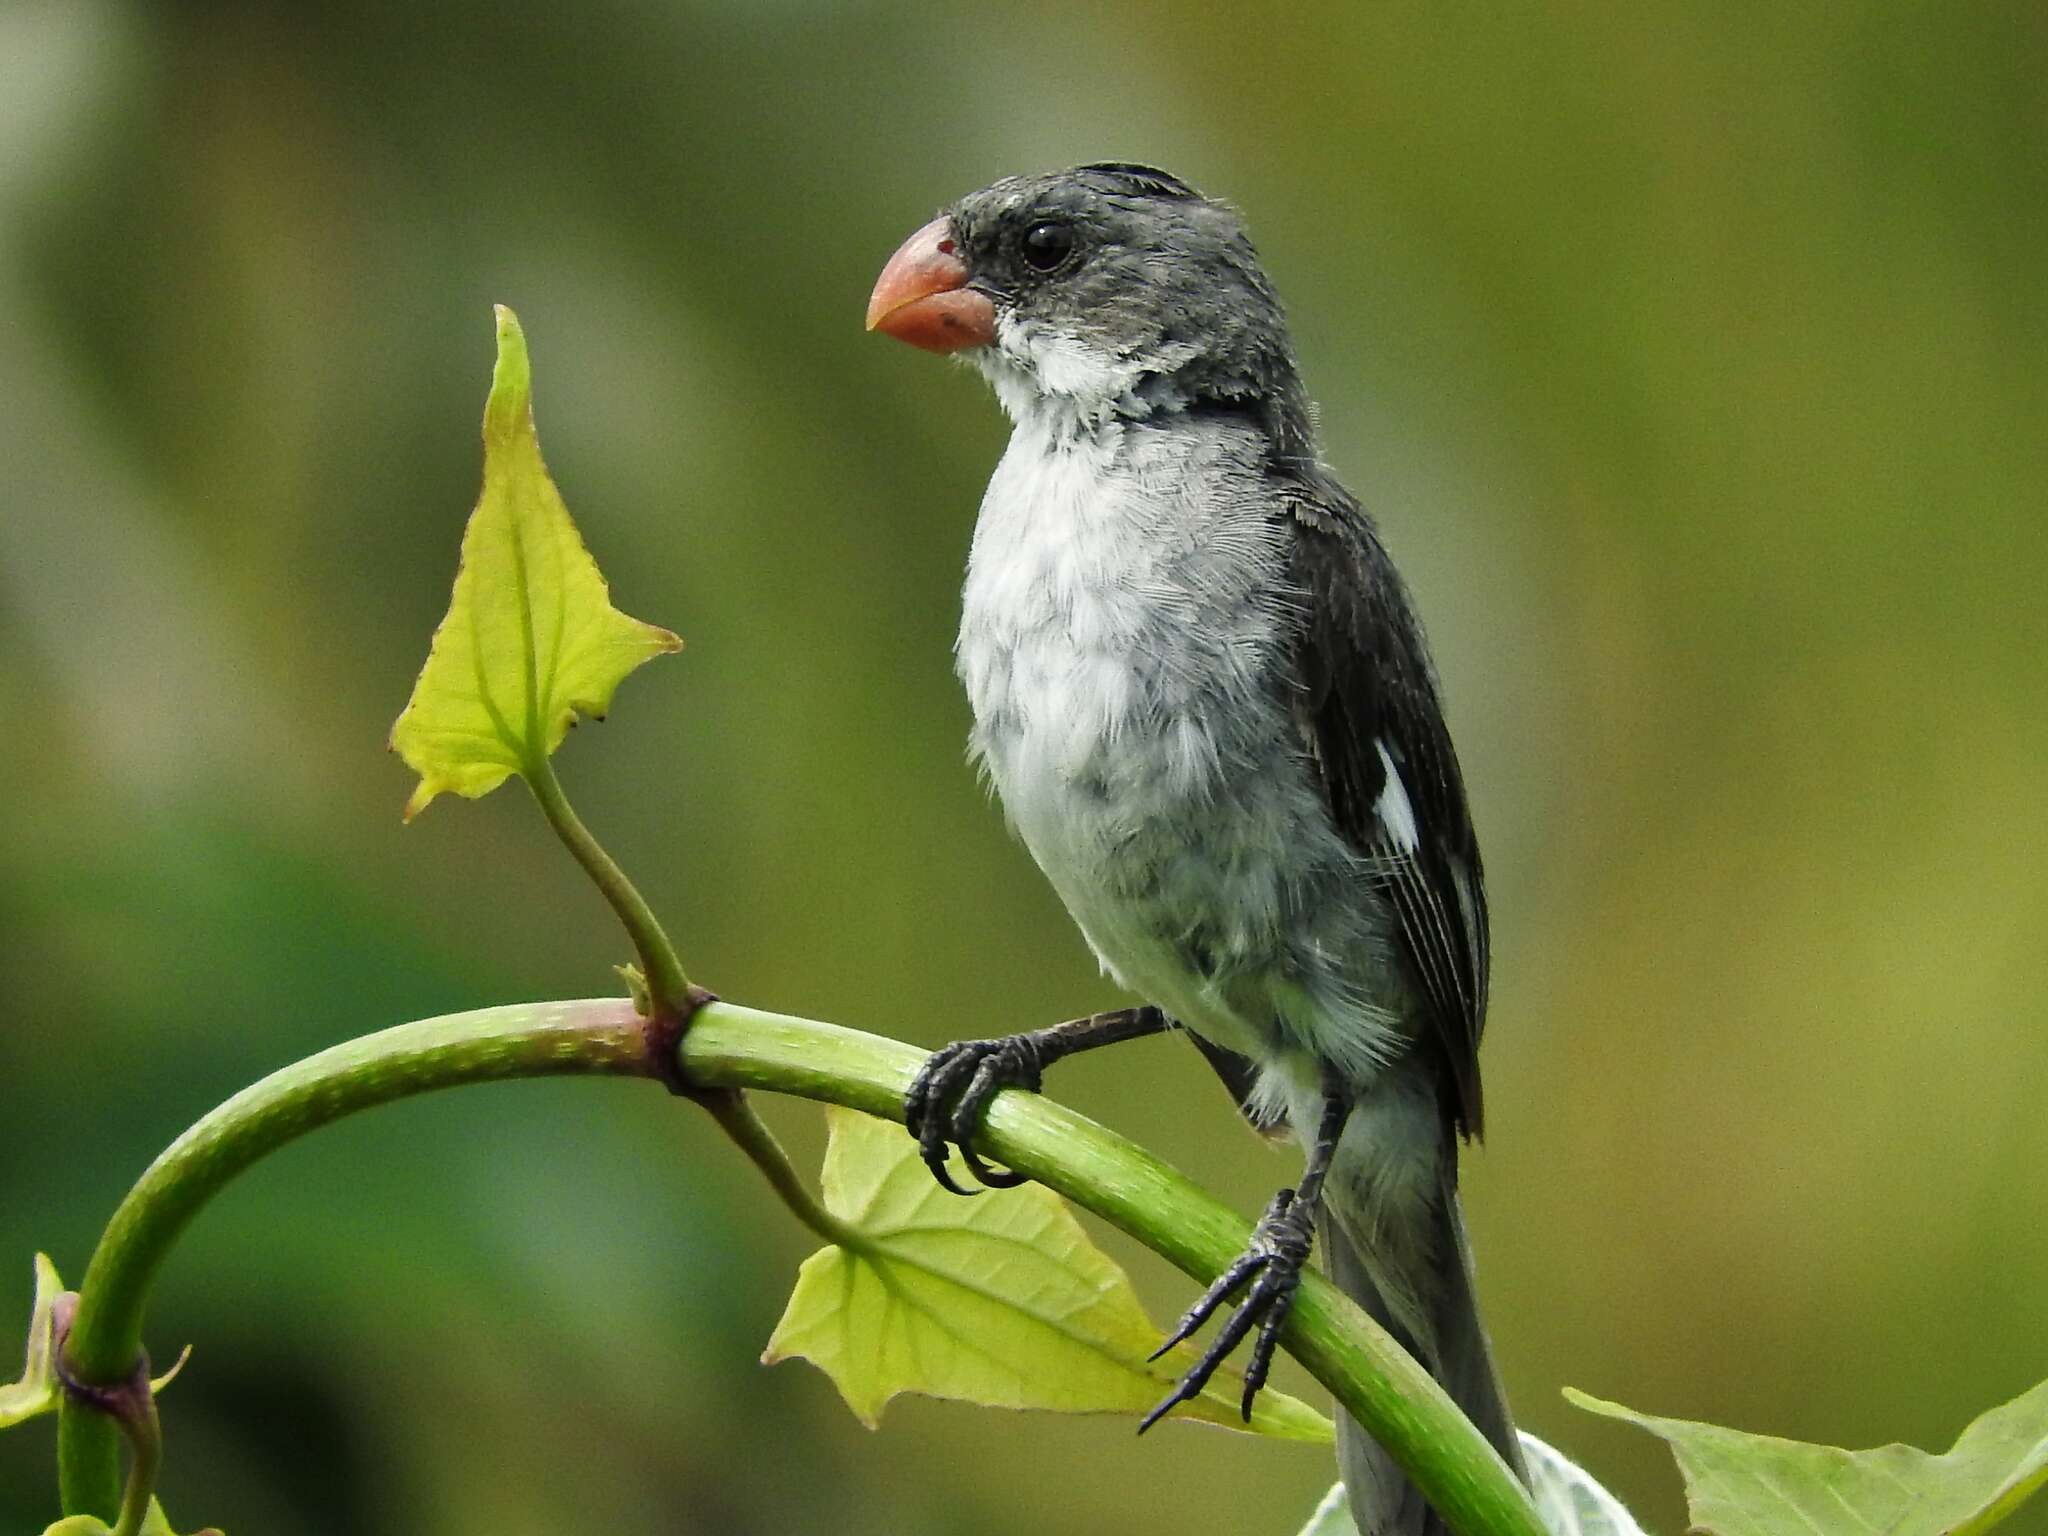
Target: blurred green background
(1692, 356)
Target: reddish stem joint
(664, 1032)
(126, 1402)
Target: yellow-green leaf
(1000, 1300)
(531, 638)
(1739, 1484)
(36, 1392)
(154, 1523)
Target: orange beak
(922, 296)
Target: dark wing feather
(1240, 1075)
(1364, 681)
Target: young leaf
(36, 1392)
(531, 639)
(1739, 1484)
(1000, 1300)
(155, 1523)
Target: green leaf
(36, 1392)
(155, 1523)
(1739, 1484)
(531, 639)
(1000, 1300)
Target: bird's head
(1107, 290)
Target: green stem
(526, 1040)
(146, 1454)
(1372, 1377)
(733, 1048)
(666, 982)
(751, 1133)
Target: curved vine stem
(105, 1343)
(731, 1047)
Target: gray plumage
(1203, 698)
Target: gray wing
(1367, 707)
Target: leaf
(155, 1523)
(1000, 1300)
(1567, 1500)
(1738, 1484)
(36, 1392)
(158, 1383)
(531, 639)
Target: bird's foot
(1272, 1265)
(946, 1101)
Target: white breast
(1120, 622)
(1121, 642)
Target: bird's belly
(1171, 893)
(1183, 833)
(1124, 642)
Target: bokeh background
(1692, 357)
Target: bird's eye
(1047, 245)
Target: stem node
(664, 1033)
(128, 1400)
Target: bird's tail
(1456, 1353)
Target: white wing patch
(1393, 808)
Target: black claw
(949, 1094)
(1231, 1335)
(990, 1176)
(981, 1087)
(931, 1146)
(936, 1161)
(1261, 1362)
(1159, 1412)
(1220, 1291)
(1279, 1248)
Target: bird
(1202, 694)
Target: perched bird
(1202, 694)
